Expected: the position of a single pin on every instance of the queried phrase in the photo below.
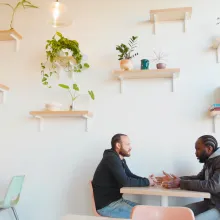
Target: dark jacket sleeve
(212, 185)
(117, 170)
(129, 173)
(200, 176)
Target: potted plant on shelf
(125, 53)
(160, 59)
(21, 4)
(74, 93)
(66, 53)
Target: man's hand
(152, 180)
(166, 178)
(174, 183)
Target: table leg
(164, 201)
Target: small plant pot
(64, 53)
(53, 106)
(144, 64)
(73, 106)
(161, 65)
(126, 64)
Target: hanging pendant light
(59, 15)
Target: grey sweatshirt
(208, 180)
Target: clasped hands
(167, 181)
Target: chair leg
(15, 213)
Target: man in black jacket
(111, 175)
(208, 180)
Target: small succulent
(159, 57)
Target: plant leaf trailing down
(57, 44)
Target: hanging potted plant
(21, 4)
(125, 53)
(66, 53)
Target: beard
(124, 153)
(203, 157)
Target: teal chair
(13, 195)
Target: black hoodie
(112, 174)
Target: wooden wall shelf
(214, 115)
(3, 90)
(146, 74)
(216, 45)
(171, 14)
(41, 114)
(8, 35)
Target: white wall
(163, 126)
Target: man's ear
(210, 149)
(118, 146)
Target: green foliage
(53, 47)
(64, 86)
(75, 87)
(92, 95)
(23, 3)
(125, 51)
(74, 91)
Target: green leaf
(80, 66)
(46, 75)
(7, 5)
(92, 95)
(86, 65)
(64, 86)
(42, 66)
(59, 34)
(75, 87)
(51, 59)
(45, 83)
(44, 79)
(30, 6)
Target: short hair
(209, 140)
(116, 139)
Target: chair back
(14, 190)
(143, 212)
(93, 200)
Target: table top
(86, 217)
(159, 191)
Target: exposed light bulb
(56, 11)
(59, 15)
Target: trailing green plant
(23, 3)
(53, 48)
(74, 91)
(126, 51)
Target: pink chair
(93, 200)
(143, 212)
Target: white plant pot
(73, 106)
(63, 52)
(53, 106)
